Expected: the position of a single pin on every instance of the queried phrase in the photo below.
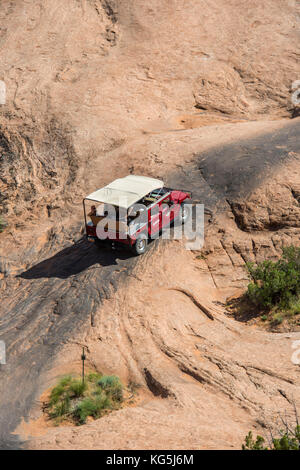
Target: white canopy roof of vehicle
(124, 192)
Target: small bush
(94, 377)
(91, 407)
(61, 408)
(277, 319)
(109, 381)
(60, 390)
(75, 400)
(67, 387)
(77, 388)
(112, 386)
(286, 439)
(250, 444)
(276, 283)
(3, 224)
(294, 307)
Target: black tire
(185, 213)
(140, 246)
(101, 244)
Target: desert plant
(67, 387)
(294, 308)
(276, 283)
(91, 407)
(112, 386)
(77, 388)
(75, 400)
(60, 390)
(61, 408)
(94, 377)
(286, 439)
(3, 224)
(251, 444)
(277, 319)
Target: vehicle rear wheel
(101, 244)
(140, 245)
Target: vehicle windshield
(152, 197)
(159, 192)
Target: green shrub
(61, 408)
(67, 386)
(288, 440)
(294, 307)
(250, 444)
(75, 400)
(112, 386)
(56, 394)
(94, 377)
(3, 224)
(91, 407)
(60, 390)
(276, 283)
(77, 388)
(277, 318)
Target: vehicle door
(167, 211)
(154, 219)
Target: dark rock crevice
(155, 386)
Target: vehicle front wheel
(140, 245)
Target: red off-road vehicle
(134, 209)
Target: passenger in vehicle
(93, 211)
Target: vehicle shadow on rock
(76, 259)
